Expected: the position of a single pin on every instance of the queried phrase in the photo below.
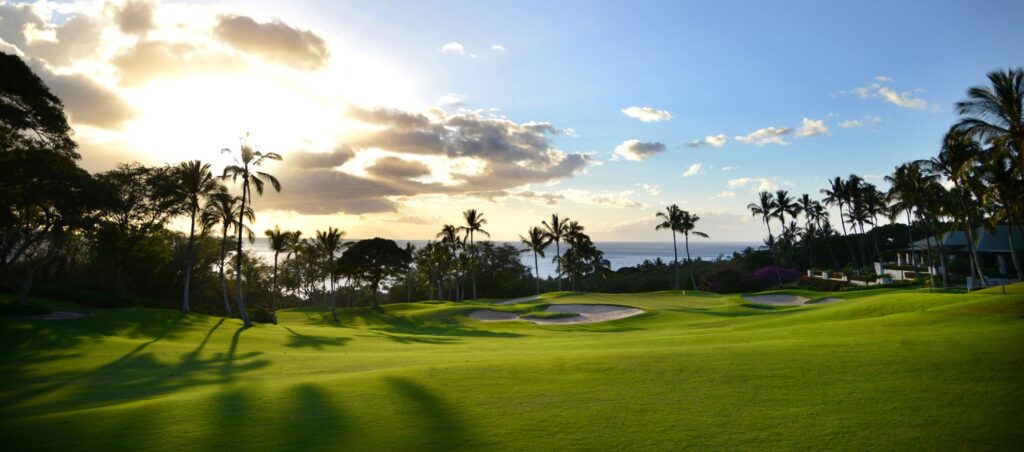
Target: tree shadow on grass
(440, 326)
(439, 425)
(297, 340)
(139, 375)
(314, 421)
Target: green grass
(886, 369)
(548, 315)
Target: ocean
(620, 254)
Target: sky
(394, 117)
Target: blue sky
(717, 67)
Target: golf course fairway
(882, 369)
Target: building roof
(997, 241)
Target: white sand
(587, 313)
(520, 300)
(777, 300)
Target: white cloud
(767, 185)
(636, 150)
(904, 99)
(812, 127)
(603, 198)
(498, 48)
(765, 136)
(715, 141)
(740, 182)
(873, 120)
(453, 47)
(693, 170)
(763, 184)
(647, 114)
(729, 168)
(651, 189)
(451, 100)
(570, 132)
(725, 194)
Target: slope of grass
(884, 369)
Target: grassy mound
(885, 369)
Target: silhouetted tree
(246, 162)
(373, 261)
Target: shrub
(770, 278)
(822, 285)
(731, 280)
(261, 314)
(29, 308)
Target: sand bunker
(520, 300)
(777, 300)
(586, 313)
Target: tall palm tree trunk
(975, 262)
(536, 269)
(1013, 252)
(238, 262)
(689, 262)
(558, 264)
(675, 259)
(775, 259)
(878, 251)
(942, 254)
(475, 263)
(846, 238)
(223, 280)
(188, 262)
(273, 296)
(910, 233)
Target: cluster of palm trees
(209, 204)
(683, 222)
(448, 261)
(976, 180)
(581, 258)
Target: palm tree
(956, 161)
(672, 219)
(1002, 192)
(246, 162)
(329, 243)
(765, 208)
(195, 183)
(280, 242)
(906, 186)
(536, 240)
(449, 236)
(836, 195)
(687, 222)
(410, 249)
(996, 114)
(474, 223)
(223, 209)
(556, 232)
(785, 205)
(807, 205)
(875, 205)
